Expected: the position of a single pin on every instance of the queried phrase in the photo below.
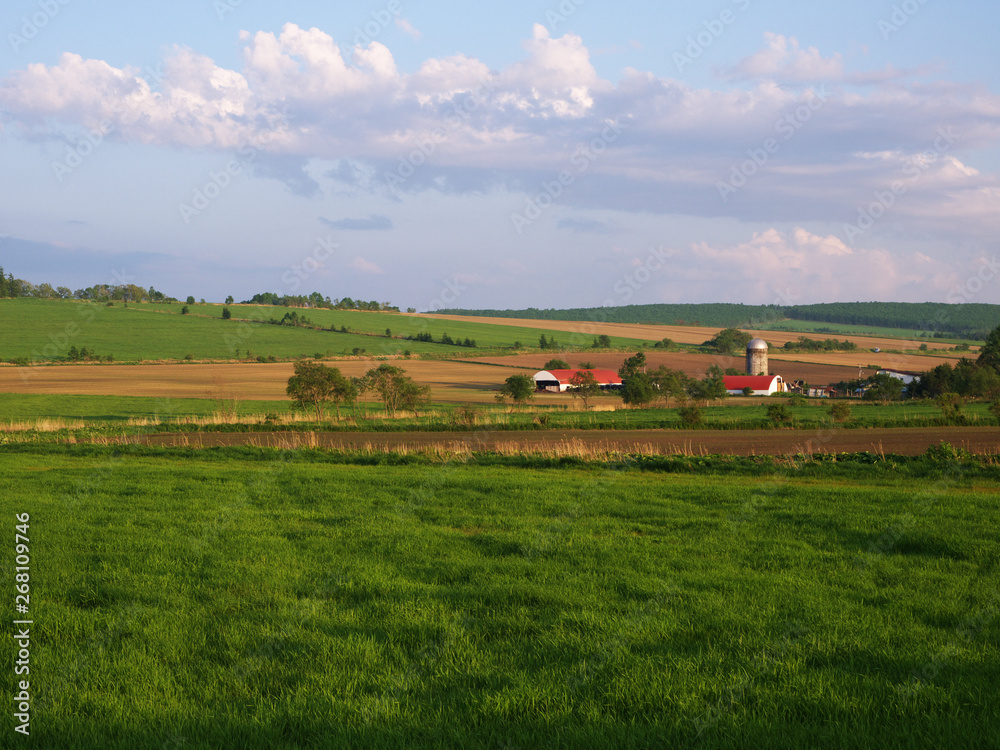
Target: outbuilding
(762, 385)
(559, 381)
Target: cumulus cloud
(790, 267)
(455, 125)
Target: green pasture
(369, 414)
(248, 598)
(46, 329)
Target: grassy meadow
(43, 330)
(95, 412)
(249, 598)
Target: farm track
(902, 441)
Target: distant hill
(718, 315)
(973, 321)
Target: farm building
(762, 385)
(559, 381)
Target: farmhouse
(559, 381)
(762, 385)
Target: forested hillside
(970, 320)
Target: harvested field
(903, 441)
(681, 334)
(450, 382)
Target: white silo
(757, 357)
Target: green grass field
(46, 329)
(96, 410)
(249, 598)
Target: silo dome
(757, 344)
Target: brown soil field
(680, 334)
(903, 441)
(450, 382)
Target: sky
(558, 154)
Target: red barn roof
(757, 382)
(603, 377)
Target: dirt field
(450, 382)
(903, 441)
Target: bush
(840, 411)
(690, 415)
(226, 314)
(779, 414)
(185, 310)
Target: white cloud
(407, 28)
(365, 266)
(800, 265)
(473, 128)
(783, 58)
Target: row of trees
(11, 288)
(318, 300)
(316, 386)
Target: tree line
(12, 288)
(318, 300)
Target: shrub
(690, 415)
(840, 411)
(779, 414)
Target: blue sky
(442, 154)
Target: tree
(518, 388)
(884, 388)
(670, 384)
(989, 355)
(226, 314)
(602, 342)
(951, 406)
(394, 387)
(413, 395)
(637, 389)
(556, 364)
(185, 310)
(632, 365)
(314, 385)
(190, 300)
(730, 341)
(584, 387)
(229, 300)
(712, 386)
